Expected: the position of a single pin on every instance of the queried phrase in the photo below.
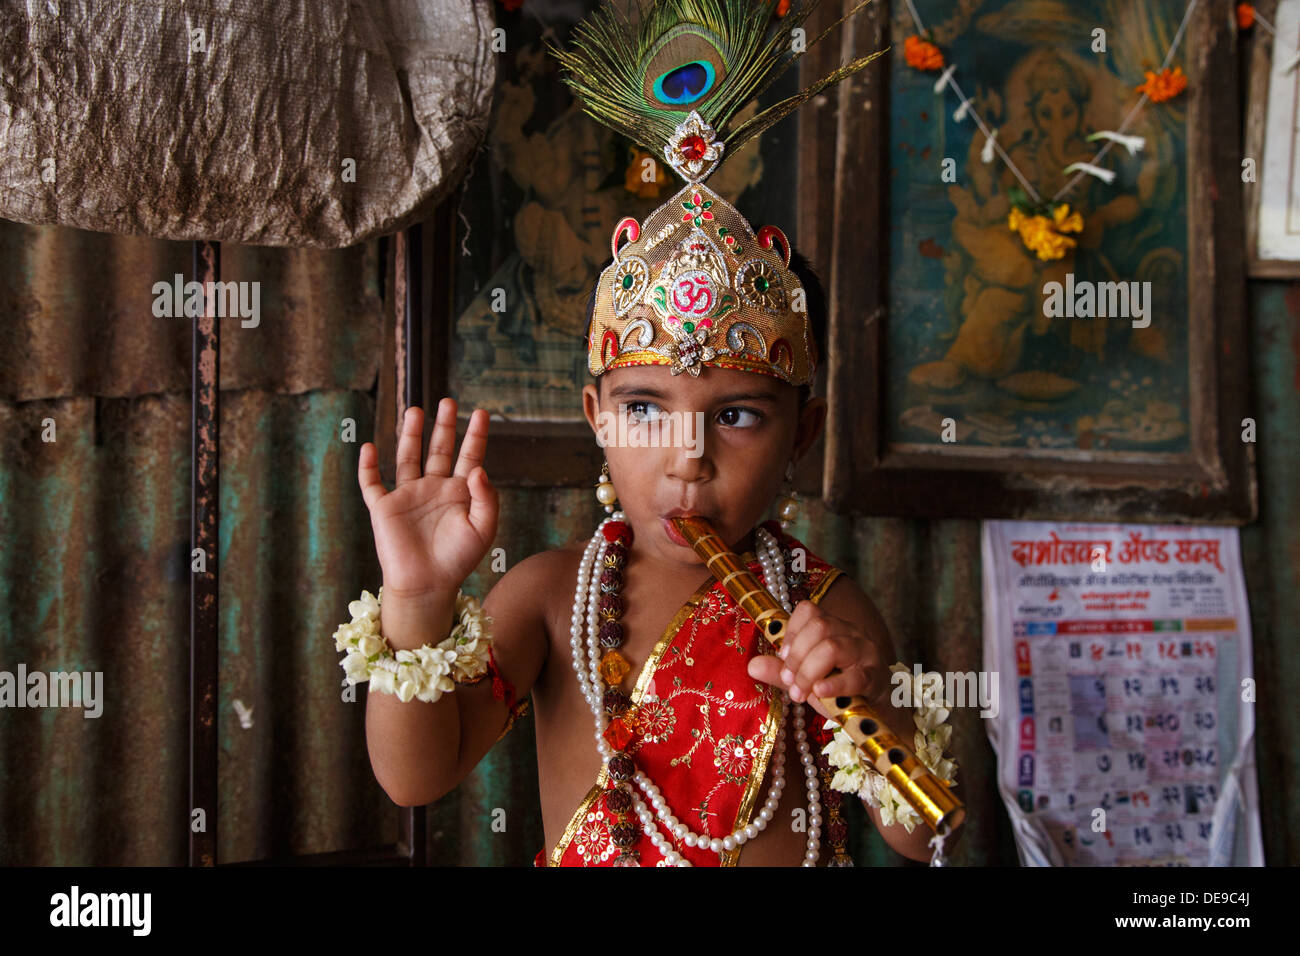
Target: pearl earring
(788, 504)
(605, 493)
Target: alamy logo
(189, 299)
(102, 909)
(665, 430)
(949, 689)
(55, 689)
(1087, 300)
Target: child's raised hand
(433, 529)
(815, 644)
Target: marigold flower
(1245, 16)
(1043, 236)
(1052, 245)
(922, 54)
(1163, 86)
(1046, 242)
(1065, 220)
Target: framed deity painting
(1092, 367)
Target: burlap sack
(270, 122)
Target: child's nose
(686, 464)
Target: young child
(667, 730)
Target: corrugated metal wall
(94, 548)
(94, 569)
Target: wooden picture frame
(1258, 54)
(844, 180)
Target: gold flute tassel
(929, 796)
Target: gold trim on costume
(732, 857)
(558, 853)
(756, 774)
(642, 682)
(827, 581)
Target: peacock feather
(644, 78)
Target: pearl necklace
(586, 601)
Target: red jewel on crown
(693, 147)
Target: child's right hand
(432, 530)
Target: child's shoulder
(543, 571)
(551, 556)
(546, 580)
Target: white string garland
(968, 108)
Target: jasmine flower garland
(932, 736)
(425, 673)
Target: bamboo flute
(879, 746)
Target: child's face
(716, 445)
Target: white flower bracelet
(932, 736)
(425, 673)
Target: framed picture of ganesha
(1079, 357)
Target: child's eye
(733, 416)
(637, 412)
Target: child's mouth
(674, 535)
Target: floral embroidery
(592, 840)
(736, 640)
(657, 720)
(734, 755)
(697, 209)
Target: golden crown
(695, 285)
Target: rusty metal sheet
(76, 316)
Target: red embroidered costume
(704, 729)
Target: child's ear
(591, 406)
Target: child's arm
(421, 751)
(846, 631)
(518, 606)
(431, 531)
